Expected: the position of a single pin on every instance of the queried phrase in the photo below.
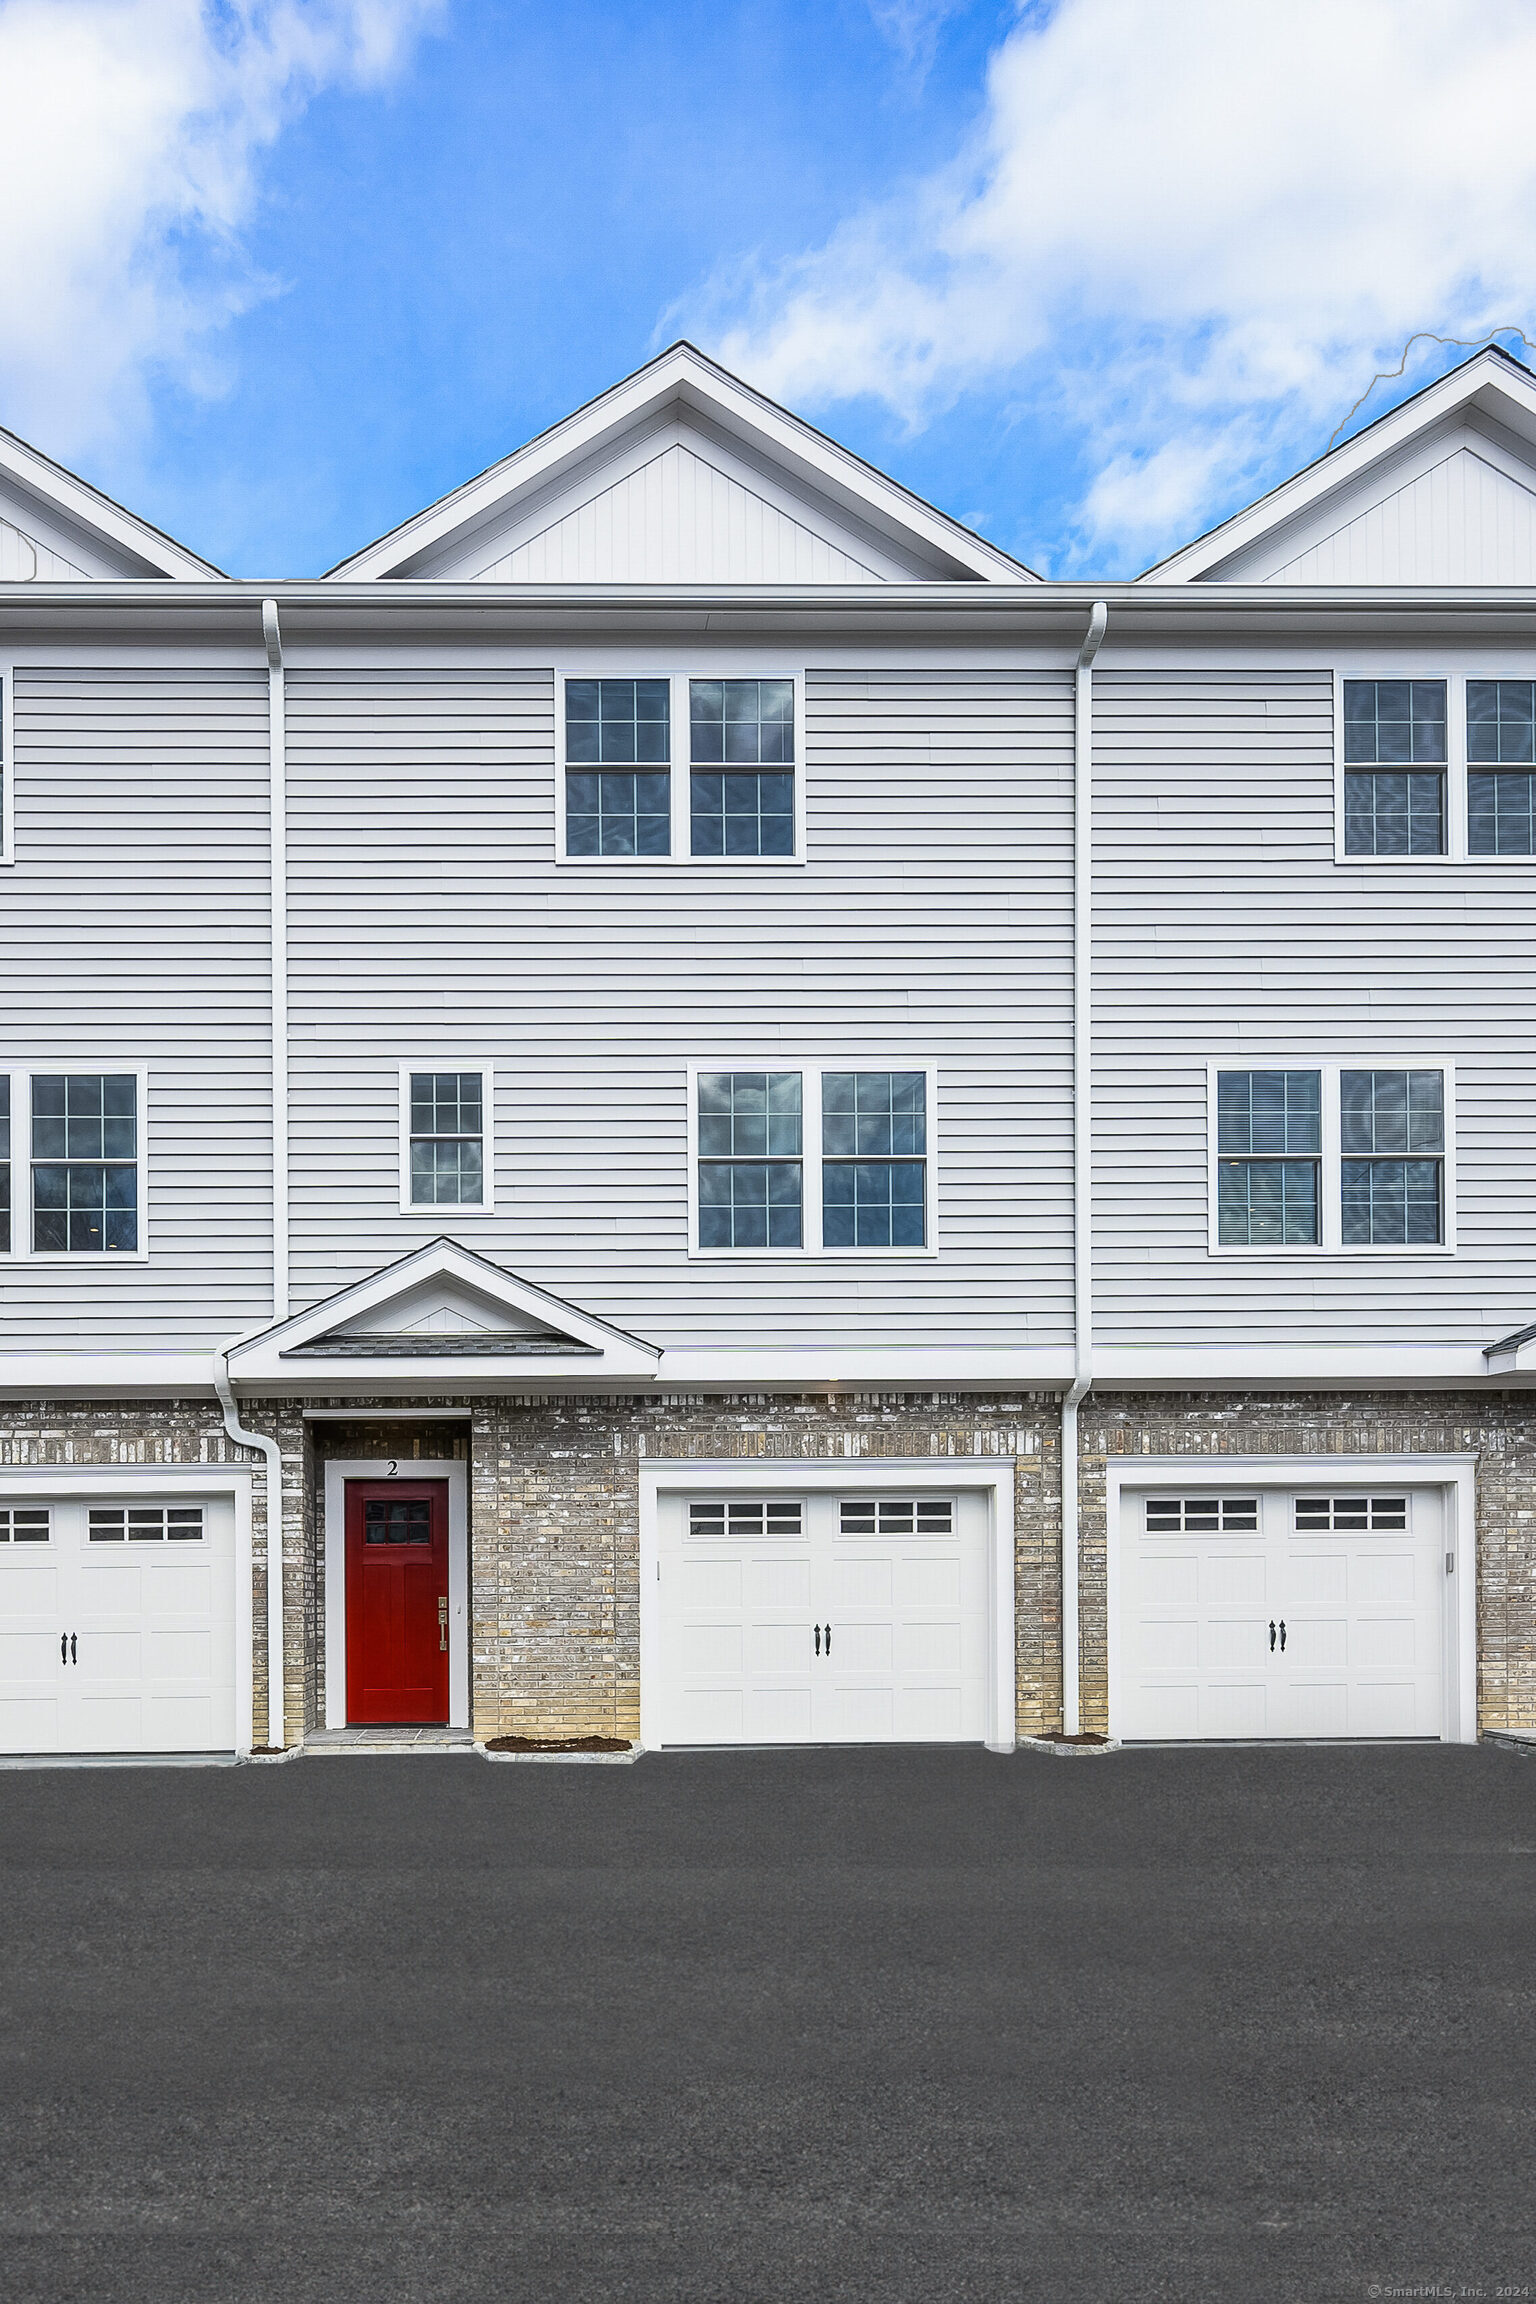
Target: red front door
(397, 1600)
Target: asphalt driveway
(889, 2025)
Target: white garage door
(1313, 1613)
(116, 1624)
(823, 1619)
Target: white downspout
(1082, 1157)
(274, 1495)
(277, 756)
(277, 769)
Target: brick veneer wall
(555, 1521)
(1500, 1428)
(555, 1527)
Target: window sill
(682, 863)
(1366, 1248)
(813, 1255)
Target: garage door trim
(989, 1476)
(81, 1481)
(1455, 1476)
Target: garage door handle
(829, 1639)
(1271, 1635)
(818, 1639)
(1282, 1635)
(63, 1647)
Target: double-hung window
(445, 1139)
(1501, 768)
(813, 1159)
(618, 751)
(71, 1155)
(671, 769)
(1395, 758)
(85, 1163)
(1336, 1157)
(1269, 1141)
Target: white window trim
(1456, 764)
(1455, 1476)
(7, 764)
(485, 1206)
(993, 1476)
(1330, 1212)
(811, 1071)
(21, 1076)
(679, 769)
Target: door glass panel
(397, 1520)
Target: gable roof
(57, 528)
(684, 438)
(1445, 479)
(440, 1315)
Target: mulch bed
(1055, 1736)
(557, 1744)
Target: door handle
(63, 1647)
(1271, 1635)
(818, 1639)
(829, 1639)
(1282, 1635)
(74, 1659)
(442, 1622)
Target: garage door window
(1356, 1512)
(146, 1523)
(1202, 1515)
(748, 1516)
(897, 1516)
(23, 1523)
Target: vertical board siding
(430, 923)
(678, 520)
(1462, 522)
(134, 930)
(1226, 932)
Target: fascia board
(1479, 380)
(87, 508)
(679, 375)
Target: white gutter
(270, 1450)
(277, 756)
(1082, 1157)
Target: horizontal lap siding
(134, 931)
(429, 922)
(1225, 932)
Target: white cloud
(130, 133)
(913, 27)
(1192, 229)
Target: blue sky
(1089, 275)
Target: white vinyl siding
(134, 937)
(933, 909)
(1225, 939)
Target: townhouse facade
(681, 1105)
